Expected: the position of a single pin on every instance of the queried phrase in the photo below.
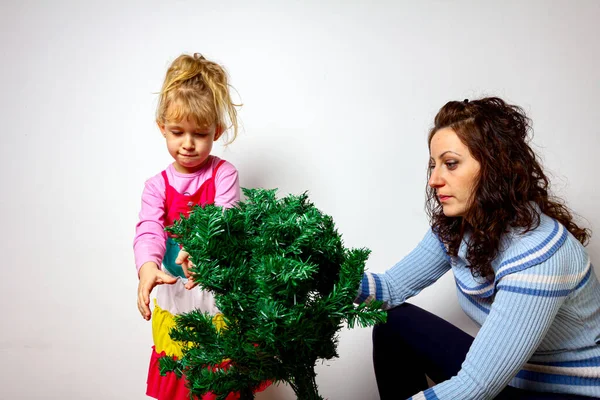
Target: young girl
(194, 110)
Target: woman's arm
(523, 311)
(419, 269)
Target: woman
(520, 268)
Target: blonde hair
(197, 88)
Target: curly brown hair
(511, 182)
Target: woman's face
(454, 172)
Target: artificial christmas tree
(285, 286)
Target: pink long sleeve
(150, 237)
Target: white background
(338, 97)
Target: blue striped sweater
(540, 318)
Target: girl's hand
(183, 259)
(150, 276)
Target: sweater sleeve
(227, 186)
(419, 269)
(149, 243)
(523, 310)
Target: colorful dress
(166, 197)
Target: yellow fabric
(163, 322)
(219, 322)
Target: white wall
(338, 99)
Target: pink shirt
(150, 236)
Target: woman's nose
(435, 180)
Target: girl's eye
(201, 135)
(176, 133)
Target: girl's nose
(188, 142)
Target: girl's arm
(227, 186)
(149, 244)
(419, 269)
(227, 194)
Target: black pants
(414, 342)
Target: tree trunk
(246, 394)
(305, 385)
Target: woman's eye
(451, 165)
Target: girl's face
(454, 172)
(189, 144)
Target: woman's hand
(183, 259)
(150, 276)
